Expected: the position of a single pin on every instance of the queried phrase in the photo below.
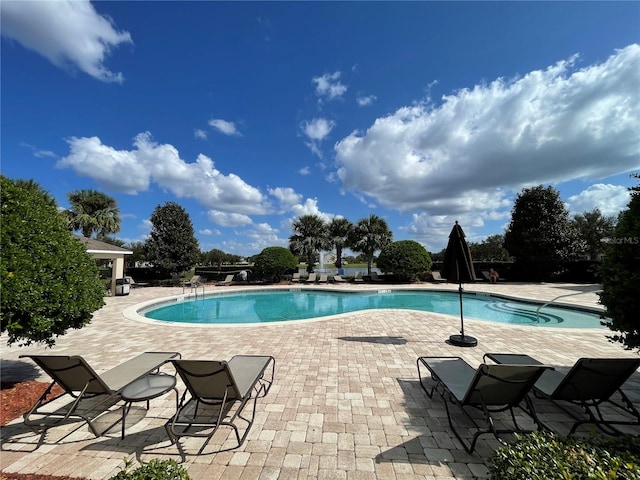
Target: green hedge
(546, 456)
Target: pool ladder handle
(560, 296)
(194, 289)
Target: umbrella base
(463, 341)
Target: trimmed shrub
(405, 258)
(546, 456)
(273, 263)
(154, 470)
(49, 282)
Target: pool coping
(133, 312)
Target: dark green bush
(546, 456)
(405, 258)
(273, 263)
(621, 276)
(49, 282)
(154, 470)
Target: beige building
(106, 251)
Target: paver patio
(346, 402)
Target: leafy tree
(592, 228)
(339, 229)
(138, 253)
(309, 238)
(172, 244)
(92, 211)
(275, 262)
(49, 282)
(214, 257)
(491, 249)
(368, 236)
(405, 258)
(539, 235)
(621, 275)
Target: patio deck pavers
(346, 402)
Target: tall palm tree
(309, 238)
(368, 236)
(339, 229)
(92, 211)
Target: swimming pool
(297, 304)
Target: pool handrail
(561, 296)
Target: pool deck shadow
(345, 403)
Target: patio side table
(145, 389)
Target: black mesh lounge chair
(217, 394)
(490, 388)
(91, 394)
(590, 383)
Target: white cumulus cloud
(610, 199)
(329, 86)
(68, 33)
(224, 126)
(480, 144)
(226, 219)
(364, 100)
(316, 131)
(132, 171)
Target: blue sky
(250, 114)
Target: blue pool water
(284, 305)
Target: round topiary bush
(546, 456)
(405, 258)
(273, 263)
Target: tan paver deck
(346, 402)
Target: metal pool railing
(560, 296)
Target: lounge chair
(92, 394)
(135, 284)
(338, 279)
(589, 383)
(376, 278)
(227, 280)
(437, 277)
(490, 388)
(358, 278)
(217, 394)
(312, 278)
(195, 281)
(323, 278)
(295, 277)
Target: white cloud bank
(68, 33)
(609, 199)
(161, 163)
(468, 154)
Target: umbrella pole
(462, 340)
(461, 316)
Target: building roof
(96, 247)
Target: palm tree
(310, 237)
(339, 229)
(92, 211)
(368, 236)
